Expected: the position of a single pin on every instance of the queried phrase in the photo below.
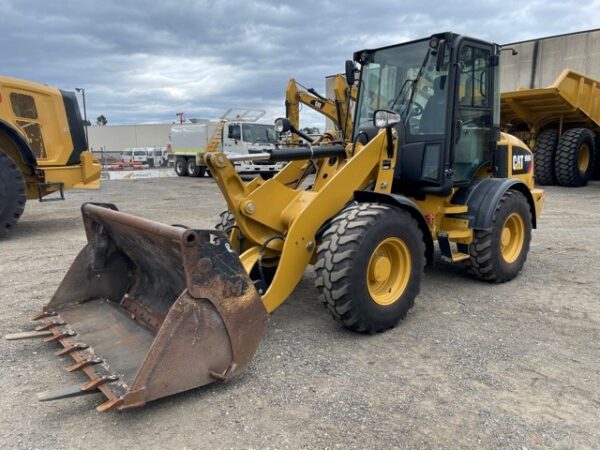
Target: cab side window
(24, 109)
(474, 68)
(23, 105)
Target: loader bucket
(148, 310)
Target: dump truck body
(43, 146)
(573, 99)
(572, 102)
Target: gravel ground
(473, 366)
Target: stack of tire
(187, 167)
(567, 160)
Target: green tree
(101, 120)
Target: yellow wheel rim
(583, 159)
(512, 238)
(389, 271)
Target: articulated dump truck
(43, 147)
(563, 123)
(148, 310)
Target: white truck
(236, 132)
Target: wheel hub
(512, 238)
(388, 271)
(381, 268)
(583, 158)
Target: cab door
(474, 107)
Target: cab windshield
(259, 133)
(404, 79)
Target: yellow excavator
(338, 109)
(148, 310)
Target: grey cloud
(145, 61)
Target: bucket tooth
(61, 335)
(48, 325)
(109, 404)
(64, 392)
(73, 348)
(89, 361)
(96, 383)
(27, 335)
(43, 315)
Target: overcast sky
(146, 61)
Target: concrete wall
(540, 61)
(114, 138)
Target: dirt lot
(474, 365)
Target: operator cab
(444, 89)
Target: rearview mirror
(234, 132)
(350, 68)
(385, 118)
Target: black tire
(180, 166)
(343, 259)
(596, 172)
(571, 146)
(267, 175)
(544, 152)
(487, 262)
(226, 221)
(13, 194)
(192, 169)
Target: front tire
(370, 266)
(498, 254)
(12, 193)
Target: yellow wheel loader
(43, 148)
(148, 310)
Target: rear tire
(575, 157)
(13, 194)
(193, 170)
(369, 266)
(498, 255)
(180, 167)
(543, 156)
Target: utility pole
(82, 91)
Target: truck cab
(237, 132)
(247, 138)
